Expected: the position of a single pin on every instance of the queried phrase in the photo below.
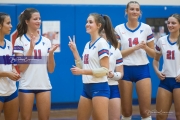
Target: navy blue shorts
(169, 84)
(91, 90)
(136, 73)
(32, 91)
(9, 98)
(114, 91)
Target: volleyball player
(8, 75)
(34, 82)
(136, 42)
(169, 88)
(94, 68)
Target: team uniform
(93, 86)
(136, 64)
(35, 79)
(8, 89)
(115, 60)
(171, 62)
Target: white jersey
(7, 86)
(171, 56)
(36, 75)
(129, 38)
(91, 59)
(115, 59)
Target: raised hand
(72, 44)
(32, 41)
(53, 48)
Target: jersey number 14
(133, 42)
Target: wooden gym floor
(70, 114)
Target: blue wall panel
(11, 10)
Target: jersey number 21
(170, 55)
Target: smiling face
(91, 25)
(6, 25)
(34, 22)
(173, 25)
(133, 11)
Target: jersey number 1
(170, 55)
(133, 42)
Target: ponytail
(22, 26)
(110, 32)
(178, 41)
(23, 17)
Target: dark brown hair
(2, 17)
(25, 15)
(107, 26)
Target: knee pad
(148, 118)
(126, 118)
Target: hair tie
(22, 12)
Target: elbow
(51, 71)
(153, 53)
(50, 68)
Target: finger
(57, 45)
(74, 39)
(70, 38)
(15, 77)
(73, 66)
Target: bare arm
(126, 52)
(150, 49)
(51, 61)
(23, 67)
(104, 62)
(76, 55)
(156, 62)
(130, 50)
(156, 66)
(72, 46)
